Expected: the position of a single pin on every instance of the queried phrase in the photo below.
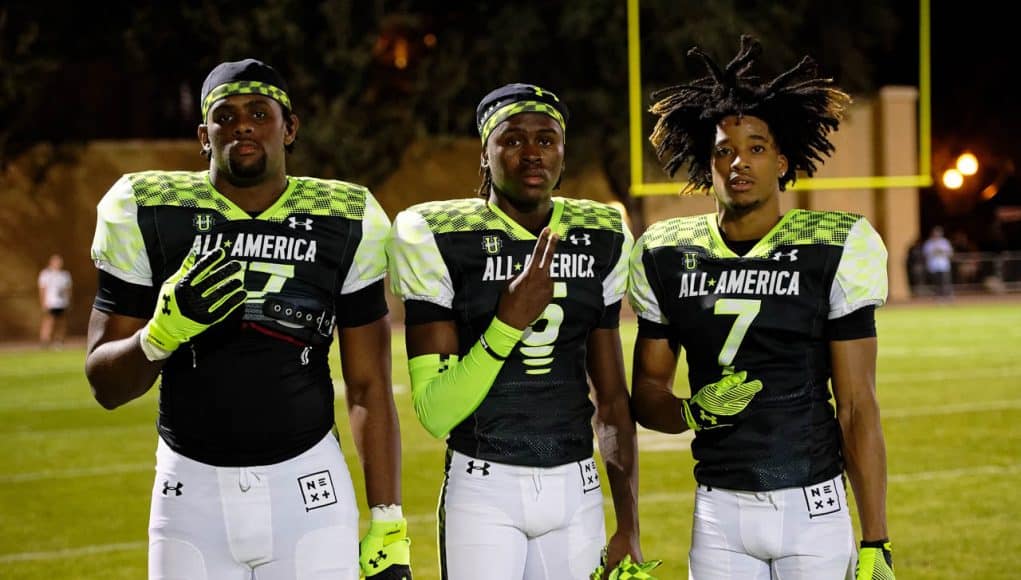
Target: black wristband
(875, 543)
(489, 349)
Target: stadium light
(967, 163)
(953, 179)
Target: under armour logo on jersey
(484, 468)
(167, 488)
(584, 239)
(791, 255)
(166, 304)
(294, 222)
(492, 245)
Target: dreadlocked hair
(800, 108)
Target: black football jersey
(255, 388)
(458, 256)
(764, 313)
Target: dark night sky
(974, 53)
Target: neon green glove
(626, 569)
(200, 294)
(875, 561)
(385, 551)
(724, 398)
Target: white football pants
(293, 520)
(509, 522)
(801, 533)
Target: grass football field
(75, 479)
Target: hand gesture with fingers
(524, 299)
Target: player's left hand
(875, 561)
(385, 551)
(626, 569)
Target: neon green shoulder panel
(461, 215)
(801, 227)
(326, 197)
(179, 188)
(585, 213)
(683, 231)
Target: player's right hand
(200, 294)
(625, 570)
(524, 299)
(713, 403)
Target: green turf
(75, 479)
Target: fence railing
(972, 273)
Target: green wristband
(500, 339)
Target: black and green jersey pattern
(458, 256)
(255, 388)
(765, 313)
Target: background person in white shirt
(937, 251)
(54, 298)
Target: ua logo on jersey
(167, 488)
(294, 222)
(791, 255)
(492, 245)
(484, 468)
(584, 239)
(203, 222)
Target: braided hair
(800, 108)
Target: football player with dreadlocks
(512, 301)
(230, 285)
(769, 308)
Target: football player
(512, 301)
(769, 309)
(228, 285)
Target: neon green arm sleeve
(446, 390)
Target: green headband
(245, 88)
(516, 107)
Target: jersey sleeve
(861, 275)
(417, 268)
(615, 283)
(118, 248)
(369, 264)
(640, 294)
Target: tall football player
(769, 308)
(512, 300)
(228, 284)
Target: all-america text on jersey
(263, 246)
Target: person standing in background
(54, 298)
(938, 251)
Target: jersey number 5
(537, 346)
(746, 311)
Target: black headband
(243, 77)
(517, 98)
